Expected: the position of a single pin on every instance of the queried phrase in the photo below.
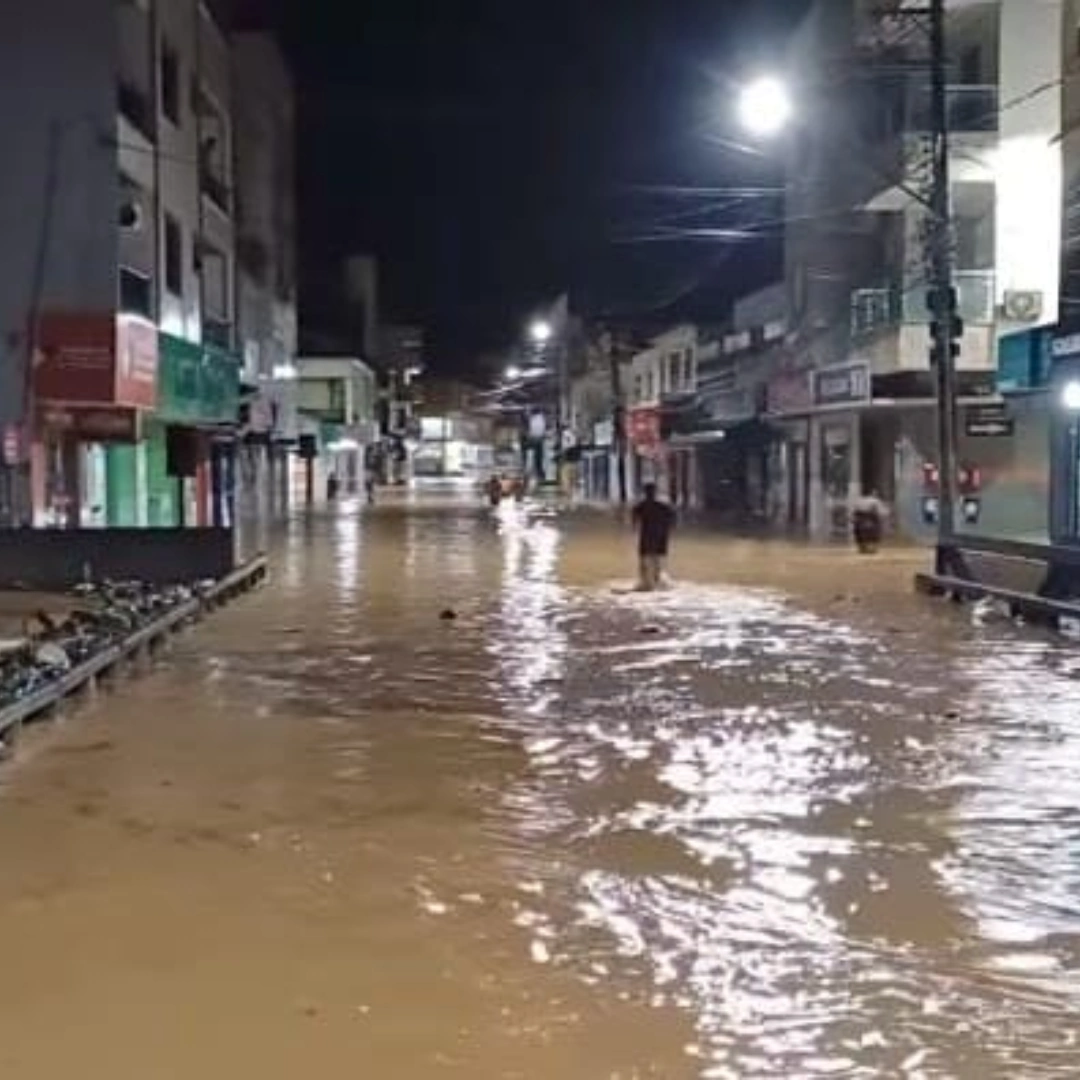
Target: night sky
(492, 153)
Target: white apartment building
(659, 381)
(854, 391)
(337, 399)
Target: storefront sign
(136, 363)
(103, 425)
(199, 385)
(988, 421)
(75, 358)
(848, 384)
(96, 359)
(1064, 348)
(603, 433)
(788, 393)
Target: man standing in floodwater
(654, 520)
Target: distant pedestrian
(654, 520)
(369, 485)
(495, 489)
(868, 522)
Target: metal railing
(877, 309)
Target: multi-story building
(265, 137)
(337, 399)
(660, 380)
(854, 390)
(116, 295)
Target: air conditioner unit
(1022, 305)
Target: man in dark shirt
(654, 521)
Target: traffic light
(944, 314)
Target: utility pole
(946, 327)
(618, 415)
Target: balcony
(136, 106)
(879, 309)
(890, 326)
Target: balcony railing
(136, 106)
(875, 310)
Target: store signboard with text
(91, 359)
(845, 384)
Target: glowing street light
(540, 331)
(765, 106)
(512, 373)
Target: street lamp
(540, 331)
(765, 106)
(512, 373)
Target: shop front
(840, 393)
(95, 380)
(191, 451)
(788, 403)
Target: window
(215, 282)
(650, 385)
(639, 391)
(174, 256)
(675, 383)
(971, 66)
(170, 82)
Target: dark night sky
(483, 149)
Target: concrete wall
(58, 59)
(264, 136)
(1027, 166)
(178, 144)
(51, 559)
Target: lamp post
(765, 108)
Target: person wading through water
(654, 521)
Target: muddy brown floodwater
(786, 820)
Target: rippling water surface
(785, 820)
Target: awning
(746, 431)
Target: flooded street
(786, 820)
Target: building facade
(119, 378)
(853, 386)
(266, 271)
(337, 402)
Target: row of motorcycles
(103, 615)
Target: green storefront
(198, 388)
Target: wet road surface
(785, 820)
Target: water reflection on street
(783, 820)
